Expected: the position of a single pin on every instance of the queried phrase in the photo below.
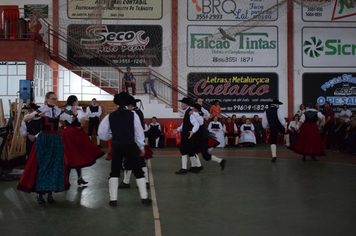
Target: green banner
(42, 9)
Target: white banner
(230, 46)
(234, 10)
(117, 9)
(329, 47)
(329, 10)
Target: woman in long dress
(247, 137)
(309, 142)
(216, 128)
(79, 150)
(45, 169)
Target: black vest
(187, 126)
(311, 116)
(272, 117)
(33, 126)
(247, 127)
(215, 126)
(94, 109)
(122, 127)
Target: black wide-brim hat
(276, 101)
(31, 106)
(186, 100)
(124, 99)
(197, 106)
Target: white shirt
(348, 113)
(217, 122)
(80, 112)
(94, 114)
(199, 118)
(250, 125)
(193, 121)
(23, 128)
(205, 112)
(320, 116)
(149, 126)
(280, 118)
(152, 77)
(294, 125)
(104, 130)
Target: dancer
(79, 150)
(273, 119)
(308, 141)
(217, 129)
(94, 113)
(202, 139)
(31, 128)
(125, 129)
(45, 169)
(189, 126)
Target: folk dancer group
(52, 154)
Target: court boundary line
(156, 217)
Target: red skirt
(27, 182)
(79, 150)
(308, 141)
(148, 153)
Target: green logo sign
(313, 48)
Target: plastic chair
(168, 133)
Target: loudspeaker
(25, 90)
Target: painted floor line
(157, 220)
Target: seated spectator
(350, 138)
(241, 121)
(339, 132)
(293, 130)
(216, 128)
(233, 119)
(154, 133)
(215, 109)
(247, 137)
(231, 131)
(260, 132)
(129, 81)
(346, 113)
(301, 110)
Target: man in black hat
(123, 126)
(202, 139)
(94, 113)
(31, 128)
(189, 126)
(273, 119)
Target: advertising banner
(231, 46)
(236, 92)
(232, 10)
(42, 9)
(116, 9)
(123, 45)
(329, 10)
(329, 47)
(337, 88)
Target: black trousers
(202, 145)
(93, 123)
(274, 130)
(187, 146)
(132, 155)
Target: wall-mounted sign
(117, 9)
(236, 92)
(328, 47)
(337, 88)
(230, 46)
(232, 10)
(41, 9)
(121, 45)
(336, 10)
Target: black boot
(40, 199)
